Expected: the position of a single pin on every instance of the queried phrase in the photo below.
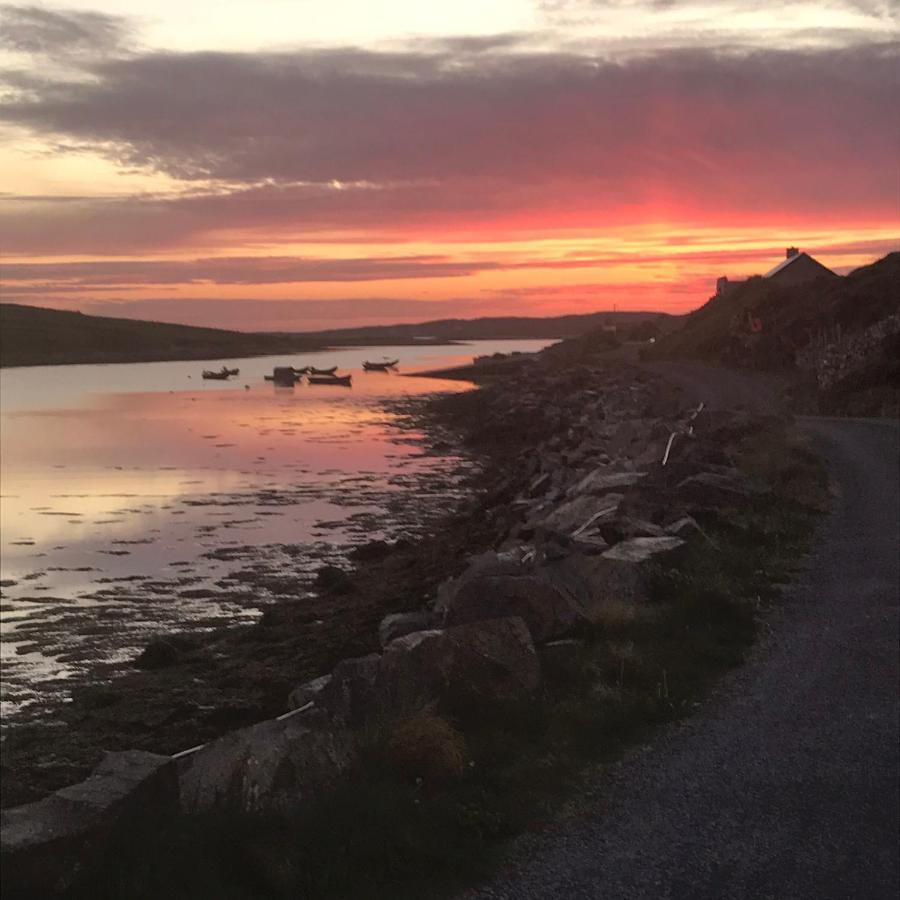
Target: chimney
(791, 252)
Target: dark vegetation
(432, 801)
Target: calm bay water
(139, 498)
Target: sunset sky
(306, 164)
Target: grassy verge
(432, 802)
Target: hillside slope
(492, 328)
(31, 336)
(841, 337)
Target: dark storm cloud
(356, 116)
(462, 134)
(48, 32)
(278, 315)
(239, 270)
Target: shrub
(426, 747)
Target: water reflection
(138, 498)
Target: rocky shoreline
(531, 437)
(596, 477)
(188, 688)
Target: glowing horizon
(318, 168)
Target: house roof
(792, 259)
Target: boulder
(547, 612)
(398, 624)
(412, 675)
(683, 527)
(651, 455)
(724, 484)
(46, 845)
(641, 549)
(308, 692)
(491, 663)
(349, 693)
(274, 766)
(561, 659)
(371, 551)
(334, 580)
(165, 651)
(596, 583)
(623, 528)
(632, 435)
(538, 485)
(589, 544)
(475, 665)
(603, 481)
(489, 563)
(574, 514)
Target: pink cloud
(434, 141)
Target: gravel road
(785, 784)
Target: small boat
(380, 366)
(222, 375)
(314, 371)
(343, 380)
(284, 376)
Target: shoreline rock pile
(582, 510)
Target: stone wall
(846, 357)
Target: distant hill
(31, 336)
(840, 332)
(489, 328)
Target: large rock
(45, 845)
(481, 664)
(547, 612)
(709, 490)
(629, 438)
(562, 659)
(623, 528)
(575, 514)
(538, 485)
(490, 662)
(583, 577)
(596, 584)
(488, 563)
(412, 675)
(684, 527)
(589, 544)
(273, 766)
(603, 481)
(348, 695)
(641, 549)
(308, 692)
(398, 624)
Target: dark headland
(36, 336)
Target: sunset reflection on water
(148, 497)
